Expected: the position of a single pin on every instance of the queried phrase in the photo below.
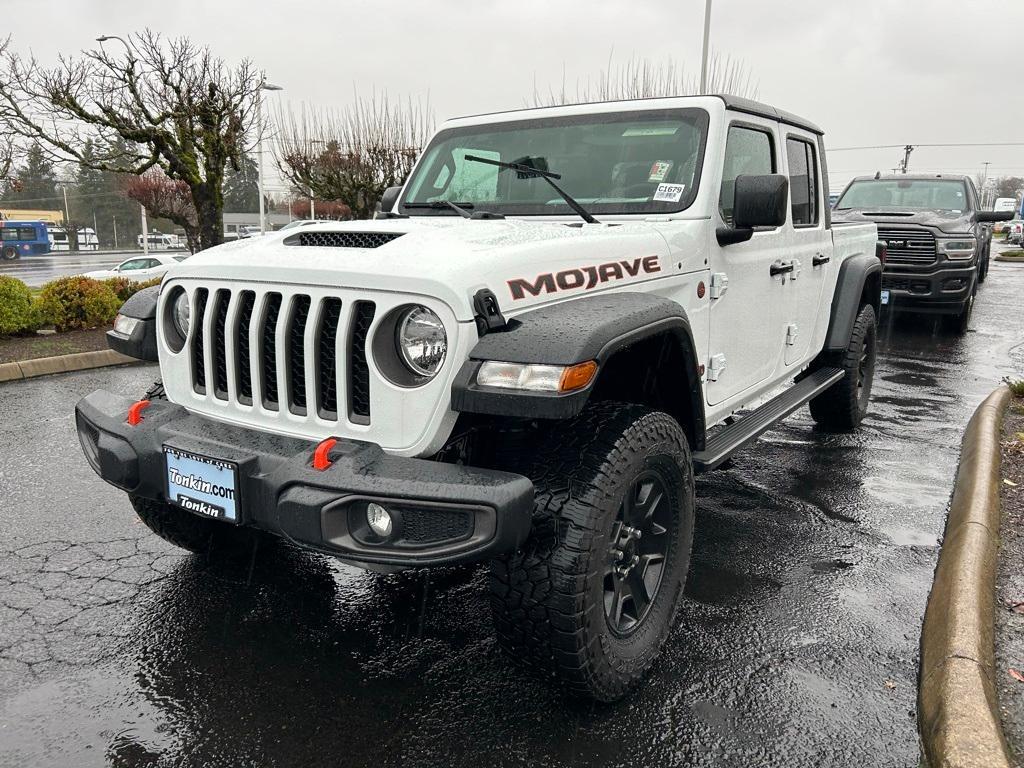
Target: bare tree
(174, 105)
(640, 78)
(165, 198)
(353, 155)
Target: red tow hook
(135, 412)
(322, 454)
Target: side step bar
(726, 441)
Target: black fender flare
(855, 274)
(570, 332)
(141, 344)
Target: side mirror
(389, 198)
(760, 201)
(988, 217)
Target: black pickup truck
(936, 235)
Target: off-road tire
(957, 324)
(549, 599)
(841, 407)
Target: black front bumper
(443, 513)
(940, 291)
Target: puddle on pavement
(910, 537)
(720, 586)
(830, 566)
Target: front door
(744, 344)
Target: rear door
(744, 345)
(811, 245)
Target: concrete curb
(27, 369)
(957, 706)
(1010, 259)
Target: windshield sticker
(667, 129)
(583, 277)
(669, 193)
(660, 170)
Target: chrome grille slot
(908, 246)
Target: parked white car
(522, 361)
(139, 268)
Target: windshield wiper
(460, 208)
(526, 171)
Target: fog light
(378, 519)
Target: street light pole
(704, 50)
(264, 86)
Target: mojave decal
(582, 277)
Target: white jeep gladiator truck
(562, 316)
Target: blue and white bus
(23, 238)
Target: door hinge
(715, 367)
(791, 333)
(719, 284)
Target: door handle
(820, 259)
(781, 267)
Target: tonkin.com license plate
(202, 485)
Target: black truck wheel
(841, 407)
(593, 593)
(10, 253)
(187, 530)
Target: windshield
(931, 194)
(635, 162)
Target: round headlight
(182, 313)
(422, 341)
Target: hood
(951, 222)
(448, 258)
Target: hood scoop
(343, 239)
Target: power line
(961, 144)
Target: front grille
(343, 239)
(908, 246)
(311, 333)
(427, 525)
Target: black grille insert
(198, 345)
(359, 371)
(297, 354)
(220, 356)
(422, 526)
(243, 372)
(327, 363)
(268, 352)
(343, 239)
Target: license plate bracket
(202, 485)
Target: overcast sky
(869, 72)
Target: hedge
(124, 288)
(15, 306)
(76, 302)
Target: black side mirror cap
(760, 201)
(389, 198)
(988, 217)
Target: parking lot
(797, 645)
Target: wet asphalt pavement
(35, 271)
(797, 644)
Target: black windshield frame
(699, 118)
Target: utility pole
(704, 49)
(264, 86)
(984, 181)
(115, 233)
(906, 158)
(145, 230)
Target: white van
(158, 241)
(87, 240)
